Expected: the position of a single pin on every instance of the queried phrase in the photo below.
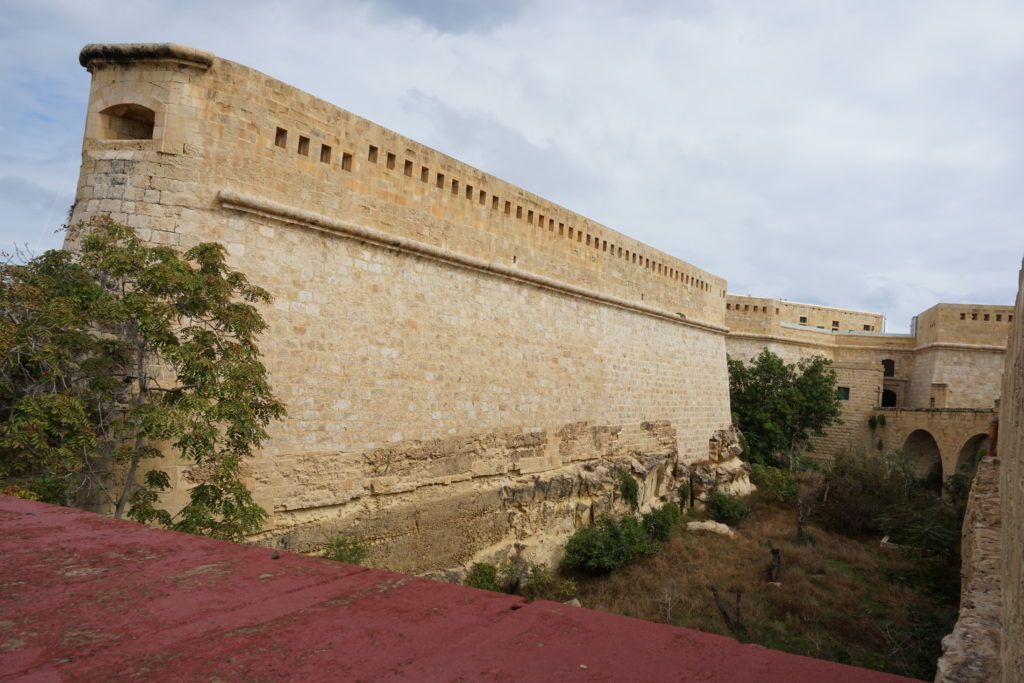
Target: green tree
(117, 349)
(778, 406)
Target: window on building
(803, 320)
(889, 367)
(867, 328)
(888, 398)
(843, 393)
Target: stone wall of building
(1010, 451)
(466, 365)
(953, 360)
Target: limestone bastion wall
(1010, 451)
(466, 365)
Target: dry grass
(836, 600)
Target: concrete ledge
(121, 53)
(92, 598)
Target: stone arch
(888, 398)
(143, 114)
(970, 454)
(922, 451)
(127, 121)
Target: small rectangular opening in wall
(325, 154)
(346, 161)
(508, 208)
(424, 174)
(986, 316)
(455, 186)
(551, 225)
(371, 155)
(392, 160)
(1009, 318)
(604, 245)
(483, 197)
(974, 316)
(579, 235)
(570, 232)
(561, 229)
(281, 137)
(588, 239)
(999, 317)
(835, 323)
(963, 316)
(803, 320)
(843, 393)
(728, 307)
(303, 145)
(529, 217)
(867, 328)
(408, 168)
(519, 212)
(440, 180)
(469, 191)
(494, 202)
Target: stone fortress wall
(1010, 453)
(466, 365)
(937, 386)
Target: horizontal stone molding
(836, 344)
(144, 52)
(962, 347)
(260, 206)
(890, 409)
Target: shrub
(684, 495)
(542, 583)
(858, 488)
(607, 546)
(872, 422)
(350, 549)
(630, 489)
(727, 508)
(483, 575)
(881, 420)
(774, 483)
(659, 522)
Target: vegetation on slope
(839, 598)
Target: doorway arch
(922, 452)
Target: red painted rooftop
(85, 597)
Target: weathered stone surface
(1011, 456)
(971, 652)
(418, 523)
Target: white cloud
(865, 154)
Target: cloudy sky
(866, 154)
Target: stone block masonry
(466, 365)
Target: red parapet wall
(86, 597)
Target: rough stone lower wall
(459, 377)
(971, 652)
(1010, 450)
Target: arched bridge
(954, 437)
